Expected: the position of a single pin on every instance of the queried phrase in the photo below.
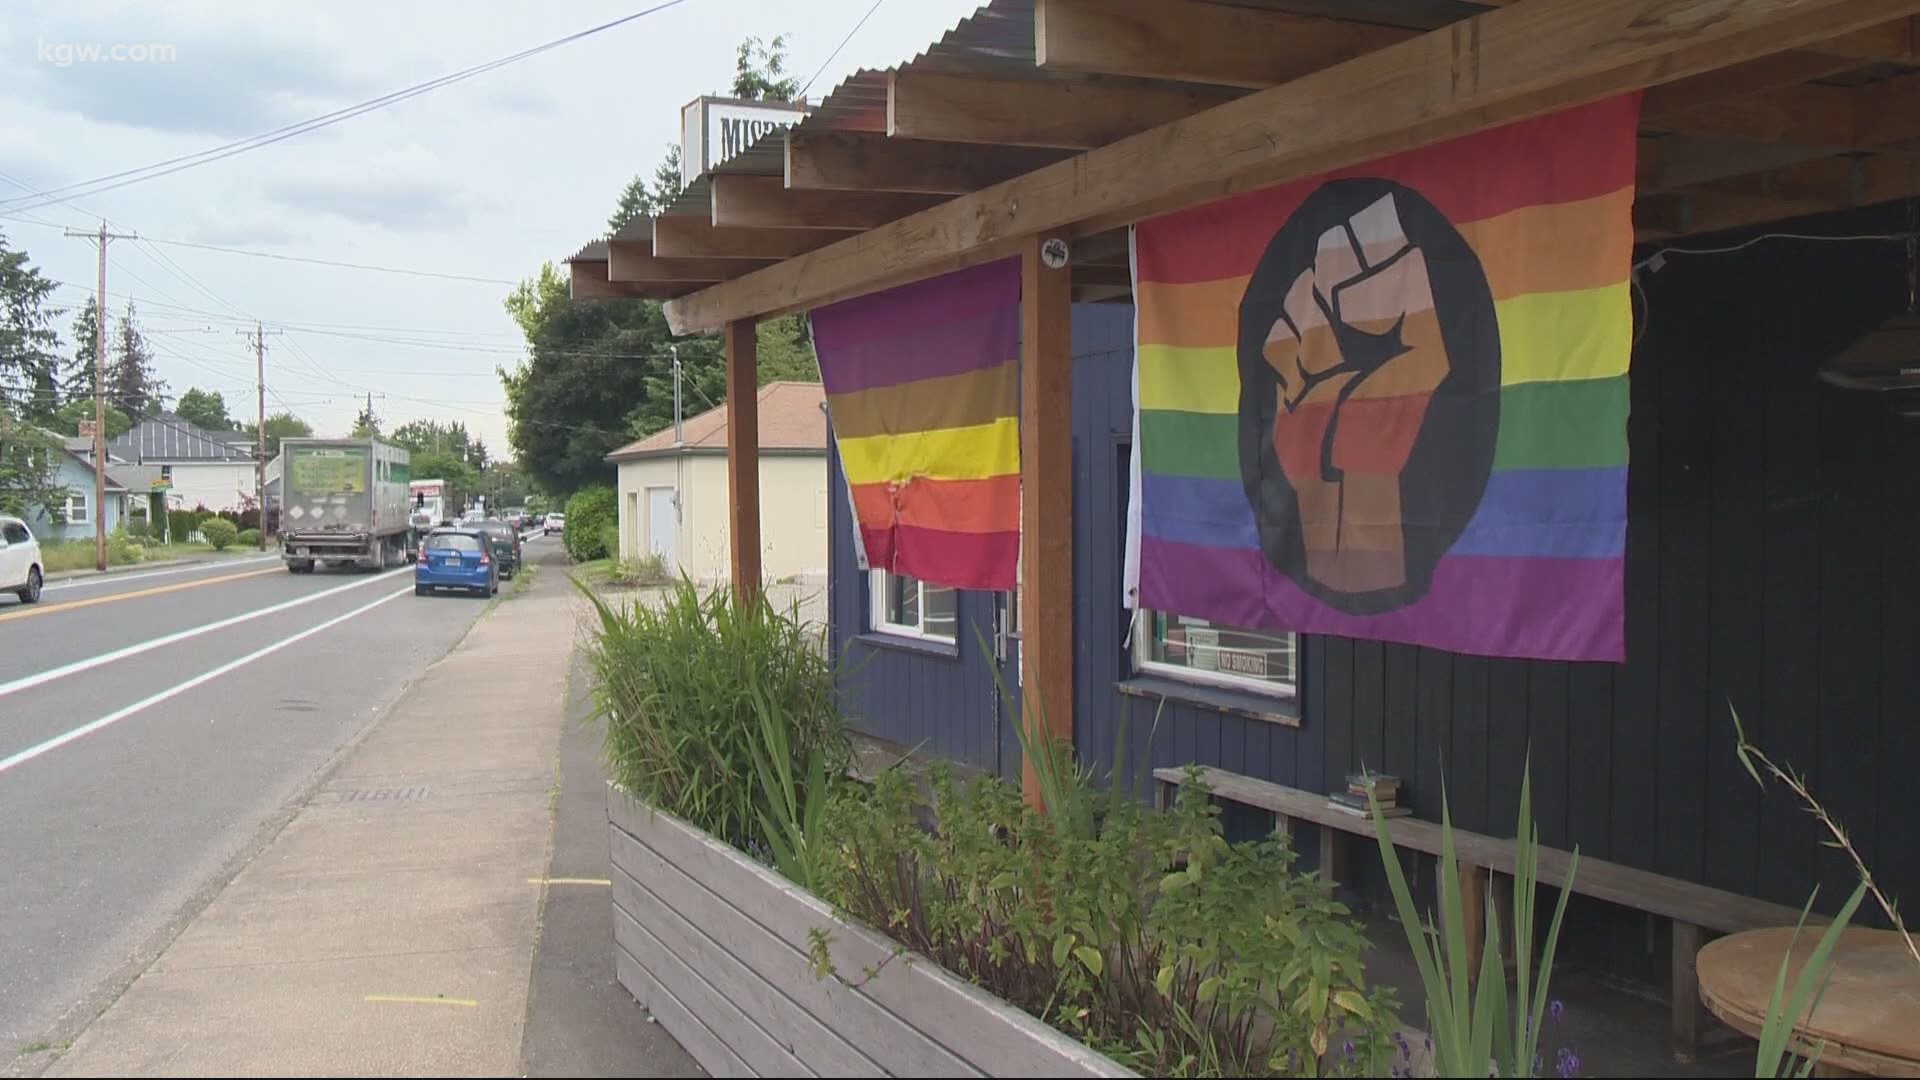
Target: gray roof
(168, 438)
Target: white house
(201, 467)
(673, 493)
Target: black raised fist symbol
(1370, 375)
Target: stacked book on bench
(1386, 792)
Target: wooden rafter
(684, 236)
(1196, 41)
(861, 161)
(634, 261)
(764, 202)
(1506, 65)
(587, 280)
(1069, 114)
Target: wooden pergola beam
(765, 202)
(693, 236)
(1522, 61)
(587, 280)
(863, 161)
(743, 457)
(1664, 104)
(634, 261)
(1068, 114)
(1046, 506)
(1195, 41)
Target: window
(15, 533)
(166, 473)
(76, 508)
(906, 605)
(1208, 652)
(453, 542)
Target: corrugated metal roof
(168, 438)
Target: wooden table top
(1869, 1018)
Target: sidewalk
(390, 929)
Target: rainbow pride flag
(1391, 402)
(923, 391)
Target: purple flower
(1347, 1049)
(1558, 1009)
(1569, 1065)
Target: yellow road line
(409, 999)
(568, 881)
(157, 590)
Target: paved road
(154, 728)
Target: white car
(556, 523)
(21, 571)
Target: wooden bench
(1693, 909)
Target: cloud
(143, 70)
(403, 190)
(253, 231)
(527, 100)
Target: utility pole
(259, 337)
(100, 396)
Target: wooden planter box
(716, 947)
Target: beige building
(674, 494)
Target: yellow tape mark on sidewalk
(74, 605)
(410, 999)
(568, 881)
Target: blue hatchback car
(456, 559)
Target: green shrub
(138, 529)
(121, 550)
(182, 523)
(220, 532)
(249, 538)
(683, 687)
(1143, 933)
(589, 514)
(640, 570)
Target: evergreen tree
(759, 72)
(639, 199)
(81, 371)
(29, 345)
(131, 384)
(204, 409)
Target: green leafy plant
(686, 683)
(1474, 1027)
(248, 538)
(640, 570)
(1145, 934)
(220, 532)
(1786, 1009)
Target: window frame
(1144, 664)
(85, 508)
(878, 622)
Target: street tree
(433, 436)
(29, 345)
(204, 408)
(131, 382)
(82, 372)
(280, 425)
(760, 71)
(28, 459)
(70, 416)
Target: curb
(70, 575)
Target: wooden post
(1686, 992)
(1473, 915)
(1046, 500)
(743, 456)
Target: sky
(484, 178)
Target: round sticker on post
(1053, 253)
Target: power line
(843, 44)
(404, 270)
(158, 169)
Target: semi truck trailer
(345, 503)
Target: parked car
(506, 544)
(456, 558)
(555, 523)
(21, 570)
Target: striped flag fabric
(923, 392)
(1391, 402)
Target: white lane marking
(115, 579)
(27, 682)
(118, 715)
